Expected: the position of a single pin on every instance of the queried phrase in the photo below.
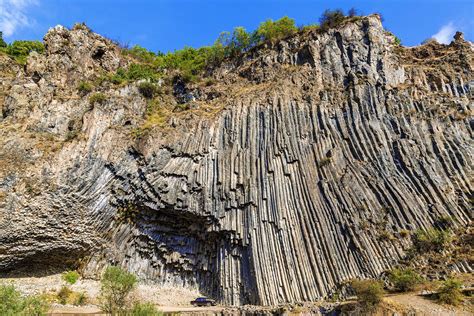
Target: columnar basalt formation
(322, 149)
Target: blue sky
(168, 25)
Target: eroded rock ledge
(326, 147)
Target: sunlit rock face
(317, 152)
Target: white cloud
(445, 34)
(13, 15)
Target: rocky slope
(295, 172)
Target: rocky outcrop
(323, 148)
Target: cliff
(295, 171)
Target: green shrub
(404, 233)
(70, 277)
(405, 279)
(84, 87)
(78, 298)
(21, 49)
(116, 285)
(241, 39)
(144, 309)
(3, 44)
(275, 30)
(385, 235)
(450, 292)
(12, 303)
(398, 41)
(147, 89)
(431, 240)
(444, 221)
(63, 295)
(142, 71)
(35, 305)
(352, 12)
(140, 53)
(119, 77)
(97, 97)
(369, 292)
(331, 18)
(310, 27)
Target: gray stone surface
(326, 147)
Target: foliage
(67, 296)
(142, 71)
(331, 18)
(310, 27)
(404, 233)
(144, 309)
(191, 62)
(98, 97)
(369, 292)
(431, 240)
(70, 277)
(19, 50)
(63, 295)
(352, 12)
(450, 292)
(444, 221)
(84, 87)
(405, 279)
(78, 298)
(397, 41)
(141, 54)
(12, 303)
(3, 44)
(147, 89)
(116, 285)
(275, 30)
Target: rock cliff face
(294, 173)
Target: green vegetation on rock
(116, 285)
(144, 309)
(70, 277)
(98, 97)
(369, 292)
(12, 303)
(431, 240)
(84, 87)
(19, 50)
(191, 62)
(405, 279)
(450, 292)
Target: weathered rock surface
(326, 147)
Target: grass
(147, 89)
(13, 303)
(405, 280)
(450, 292)
(144, 309)
(97, 98)
(431, 240)
(67, 296)
(70, 277)
(85, 87)
(369, 292)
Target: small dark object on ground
(203, 301)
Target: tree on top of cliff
(275, 30)
(2, 42)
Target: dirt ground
(175, 300)
(422, 306)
